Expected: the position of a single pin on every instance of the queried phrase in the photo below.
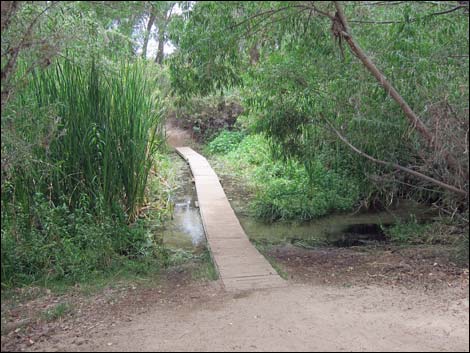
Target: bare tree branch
(445, 12)
(14, 53)
(396, 166)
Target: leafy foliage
(286, 191)
(54, 242)
(225, 142)
(411, 232)
(51, 242)
(101, 142)
(81, 140)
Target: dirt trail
(177, 137)
(298, 318)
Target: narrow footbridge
(240, 265)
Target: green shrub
(57, 312)
(80, 143)
(284, 190)
(463, 247)
(411, 232)
(225, 142)
(55, 243)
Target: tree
(151, 21)
(303, 75)
(18, 37)
(164, 15)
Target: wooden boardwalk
(240, 265)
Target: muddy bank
(177, 136)
(205, 117)
(419, 267)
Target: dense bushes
(225, 142)
(302, 85)
(56, 243)
(285, 190)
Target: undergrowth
(283, 190)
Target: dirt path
(374, 299)
(177, 137)
(337, 300)
(298, 318)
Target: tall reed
(108, 125)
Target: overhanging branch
(394, 165)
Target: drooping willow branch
(395, 165)
(445, 12)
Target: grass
(70, 206)
(108, 126)
(284, 190)
(444, 232)
(57, 312)
(138, 272)
(205, 269)
(62, 299)
(129, 273)
(410, 232)
(462, 249)
(264, 249)
(277, 267)
(199, 266)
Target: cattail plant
(108, 127)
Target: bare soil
(420, 267)
(177, 137)
(359, 299)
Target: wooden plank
(240, 265)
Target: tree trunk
(161, 44)
(147, 34)
(8, 10)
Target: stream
(185, 230)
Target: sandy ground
(355, 299)
(177, 137)
(297, 318)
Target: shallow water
(337, 230)
(347, 229)
(185, 230)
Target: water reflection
(185, 230)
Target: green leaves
(284, 190)
(226, 141)
(301, 74)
